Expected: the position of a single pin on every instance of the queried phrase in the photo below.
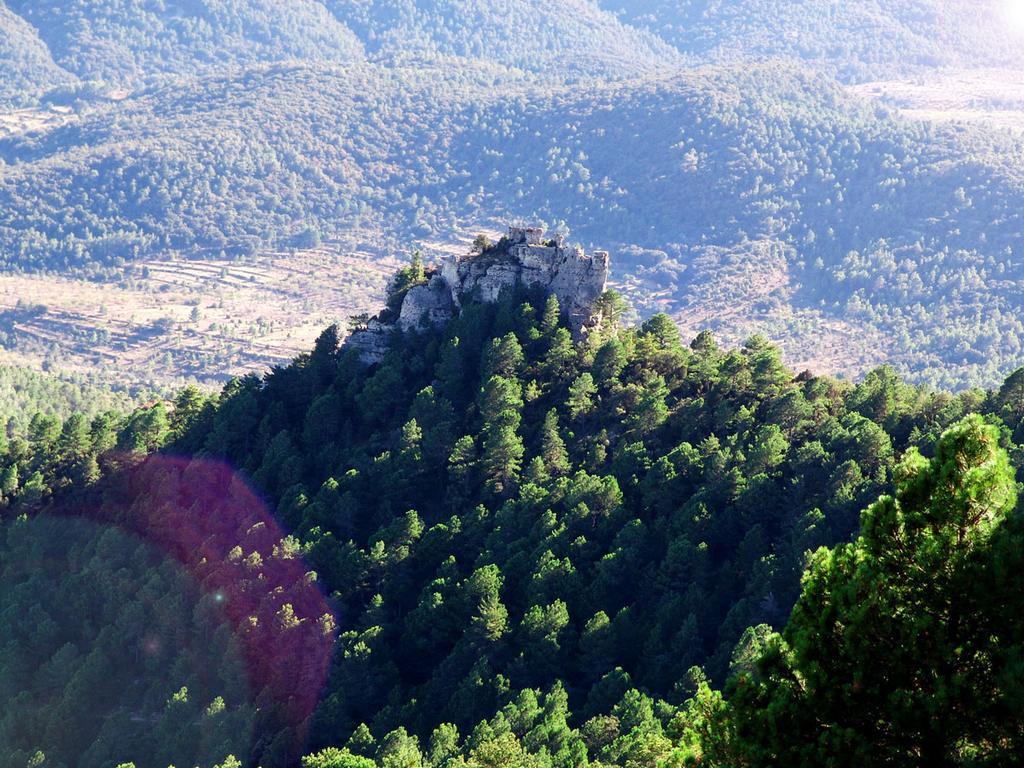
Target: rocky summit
(526, 257)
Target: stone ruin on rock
(524, 258)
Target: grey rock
(427, 305)
(577, 279)
(370, 343)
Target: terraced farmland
(172, 321)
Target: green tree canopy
(891, 656)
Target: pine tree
(462, 470)
(551, 316)
(451, 372)
(609, 361)
(651, 410)
(556, 458)
(504, 357)
(489, 616)
(500, 402)
(502, 458)
(890, 656)
(9, 480)
(580, 401)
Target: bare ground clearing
(175, 320)
(991, 96)
(170, 321)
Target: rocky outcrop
(371, 342)
(428, 305)
(524, 258)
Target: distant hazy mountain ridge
(127, 43)
(124, 43)
(858, 40)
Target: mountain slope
(126, 42)
(567, 39)
(905, 229)
(70, 670)
(516, 533)
(863, 39)
(26, 66)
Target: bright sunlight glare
(1013, 13)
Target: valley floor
(175, 320)
(987, 96)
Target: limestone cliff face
(577, 279)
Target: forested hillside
(26, 65)
(904, 228)
(905, 644)
(95, 624)
(711, 146)
(526, 542)
(566, 40)
(129, 44)
(25, 392)
(126, 43)
(855, 41)
(490, 531)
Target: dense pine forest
(26, 394)
(711, 459)
(504, 547)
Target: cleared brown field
(991, 96)
(172, 321)
(17, 121)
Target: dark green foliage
(25, 392)
(110, 652)
(903, 648)
(624, 508)
(530, 542)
